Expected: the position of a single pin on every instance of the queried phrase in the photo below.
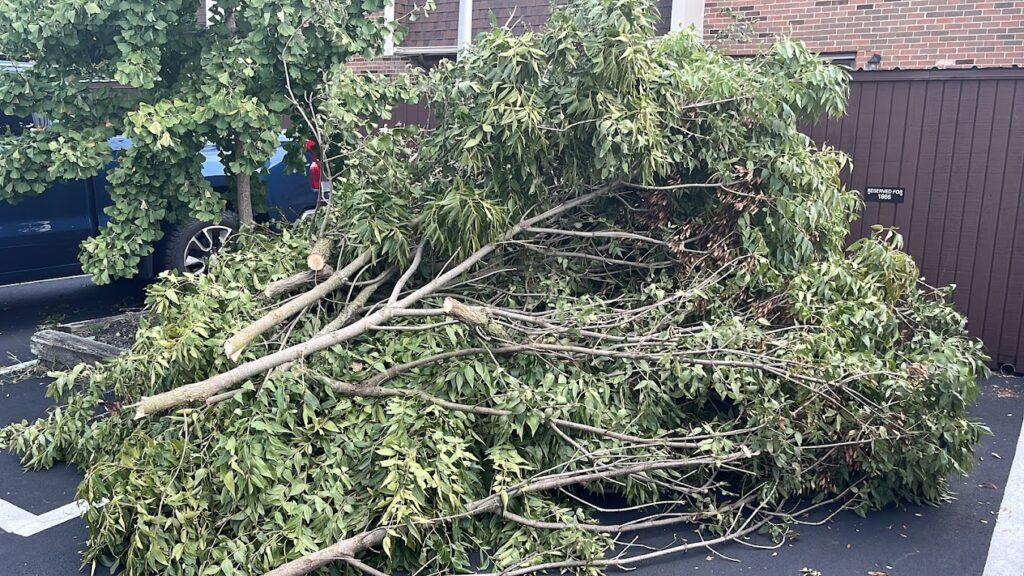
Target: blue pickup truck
(40, 235)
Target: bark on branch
(473, 316)
(339, 321)
(358, 302)
(296, 281)
(234, 346)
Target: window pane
(13, 124)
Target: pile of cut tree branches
(611, 267)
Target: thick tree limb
(342, 550)
(233, 346)
(211, 386)
(474, 317)
(338, 322)
(296, 281)
(63, 350)
(319, 254)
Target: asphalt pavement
(23, 308)
(899, 541)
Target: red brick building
(874, 34)
(906, 34)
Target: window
(688, 13)
(847, 60)
(13, 124)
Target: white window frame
(687, 13)
(389, 17)
(465, 35)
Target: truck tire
(187, 246)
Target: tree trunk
(63, 350)
(243, 189)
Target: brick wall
(440, 27)
(382, 65)
(905, 33)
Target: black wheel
(187, 247)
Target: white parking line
(21, 522)
(1006, 550)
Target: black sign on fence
(884, 194)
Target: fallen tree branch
(363, 567)
(363, 391)
(349, 311)
(64, 350)
(621, 562)
(404, 279)
(296, 281)
(319, 254)
(596, 234)
(597, 258)
(684, 186)
(234, 346)
(474, 317)
(625, 527)
(221, 382)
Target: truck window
(13, 124)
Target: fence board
(983, 285)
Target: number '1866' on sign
(884, 194)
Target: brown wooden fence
(954, 141)
(412, 114)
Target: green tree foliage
(681, 295)
(150, 72)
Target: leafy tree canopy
(150, 72)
